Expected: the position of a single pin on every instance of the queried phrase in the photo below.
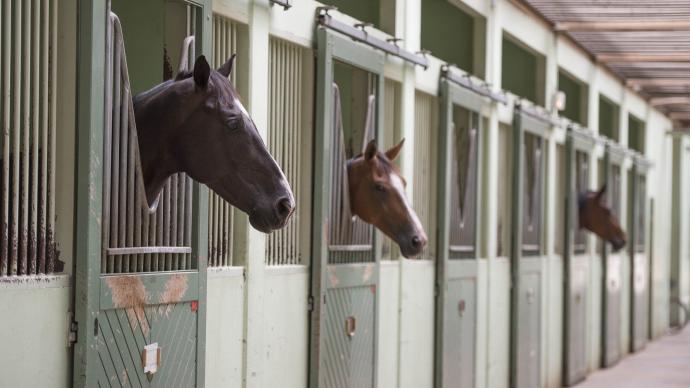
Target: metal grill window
(28, 110)
(350, 239)
(288, 142)
(463, 174)
(424, 189)
(135, 240)
(220, 212)
(532, 194)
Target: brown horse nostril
(417, 242)
(285, 207)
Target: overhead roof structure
(645, 42)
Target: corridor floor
(664, 363)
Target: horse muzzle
(617, 243)
(413, 246)
(273, 217)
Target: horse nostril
(418, 242)
(285, 207)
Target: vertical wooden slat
(6, 124)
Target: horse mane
(182, 75)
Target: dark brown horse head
(597, 217)
(196, 124)
(377, 196)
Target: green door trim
(89, 185)
(334, 47)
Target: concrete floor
(664, 363)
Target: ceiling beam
(642, 82)
(624, 25)
(661, 101)
(636, 57)
(679, 115)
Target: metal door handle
(350, 326)
(461, 307)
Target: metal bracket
(310, 303)
(286, 4)
(465, 80)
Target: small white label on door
(151, 358)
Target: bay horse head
(196, 124)
(597, 217)
(377, 196)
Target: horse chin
(410, 252)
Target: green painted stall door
(158, 311)
(150, 319)
(457, 266)
(346, 251)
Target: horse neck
(156, 111)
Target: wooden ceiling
(645, 42)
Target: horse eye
(379, 187)
(233, 122)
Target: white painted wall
(33, 332)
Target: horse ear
(393, 153)
(371, 150)
(600, 194)
(202, 71)
(226, 68)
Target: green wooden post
(90, 103)
(568, 237)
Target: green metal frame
(89, 283)
(582, 142)
(334, 47)
(446, 269)
(523, 121)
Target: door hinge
(72, 331)
(310, 303)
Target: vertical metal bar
(132, 264)
(180, 209)
(121, 261)
(52, 244)
(33, 145)
(114, 184)
(26, 132)
(6, 124)
(107, 143)
(16, 136)
(188, 224)
(172, 228)
(167, 216)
